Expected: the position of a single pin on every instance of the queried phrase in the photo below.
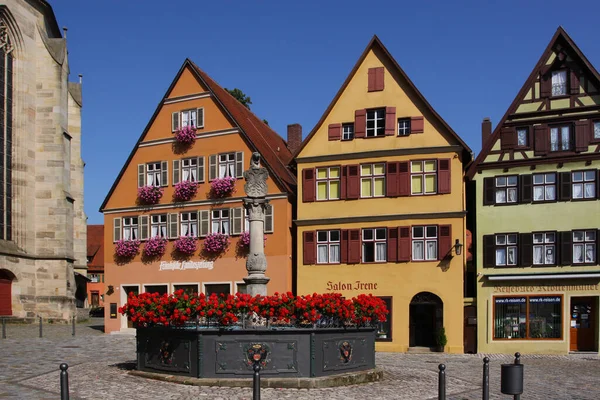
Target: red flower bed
(148, 309)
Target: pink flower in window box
(185, 190)
(186, 135)
(150, 194)
(244, 241)
(155, 247)
(186, 245)
(127, 248)
(216, 243)
(222, 187)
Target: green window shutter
(200, 118)
(212, 168)
(237, 219)
(173, 220)
(200, 174)
(164, 173)
(175, 172)
(269, 218)
(116, 229)
(239, 164)
(175, 122)
(204, 221)
(141, 175)
(143, 227)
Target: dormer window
(559, 83)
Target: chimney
(294, 137)
(486, 130)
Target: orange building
(226, 135)
(95, 264)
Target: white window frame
(503, 241)
(204, 284)
(587, 241)
(190, 117)
(154, 171)
(424, 240)
(237, 285)
(501, 184)
(130, 226)
(155, 284)
(197, 284)
(348, 131)
(373, 177)
(156, 220)
(588, 178)
(376, 240)
(189, 165)
(221, 221)
(328, 180)
(188, 221)
(330, 244)
(544, 242)
(423, 174)
(403, 126)
(559, 89)
(558, 132)
(377, 116)
(548, 180)
(228, 164)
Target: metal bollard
(486, 379)
(3, 328)
(517, 362)
(257, 353)
(40, 326)
(255, 382)
(73, 326)
(64, 382)
(442, 382)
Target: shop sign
(356, 285)
(510, 300)
(544, 288)
(185, 265)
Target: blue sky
(468, 58)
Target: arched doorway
(6, 278)
(426, 318)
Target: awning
(526, 277)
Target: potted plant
(216, 243)
(186, 135)
(150, 194)
(127, 249)
(185, 190)
(441, 339)
(186, 245)
(222, 187)
(155, 247)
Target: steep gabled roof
(560, 34)
(375, 42)
(95, 247)
(259, 136)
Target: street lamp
(458, 247)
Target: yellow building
(381, 205)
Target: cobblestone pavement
(98, 367)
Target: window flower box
(127, 248)
(150, 194)
(222, 187)
(186, 135)
(186, 245)
(155, 247)
(185, 190)
(216, 243)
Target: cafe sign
(185, 265)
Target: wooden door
(95, 299)
(583, 324)
(422, 324)
(5, 296)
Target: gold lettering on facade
(544, 288)
(356, 285)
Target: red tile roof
(269, 144)
(95, 248)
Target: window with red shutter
(403, 179)
(360, 123)
(417, 125)
(390, 121)
(308, 185)
(582, 136)
(404, 246)
(540, 136)
(445, 241)
(344, 247)
(574, 84)
(379, 78)
(343, 183)
(353, 182)
(309, 249)
(444, 178)
(391, 179)
(392, 245)
(508, 138)
(354, 246)
(335, 132)
(375, 75)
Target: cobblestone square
(98, 366)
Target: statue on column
(255, 204)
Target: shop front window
(528, 317)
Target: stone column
(255, 203)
